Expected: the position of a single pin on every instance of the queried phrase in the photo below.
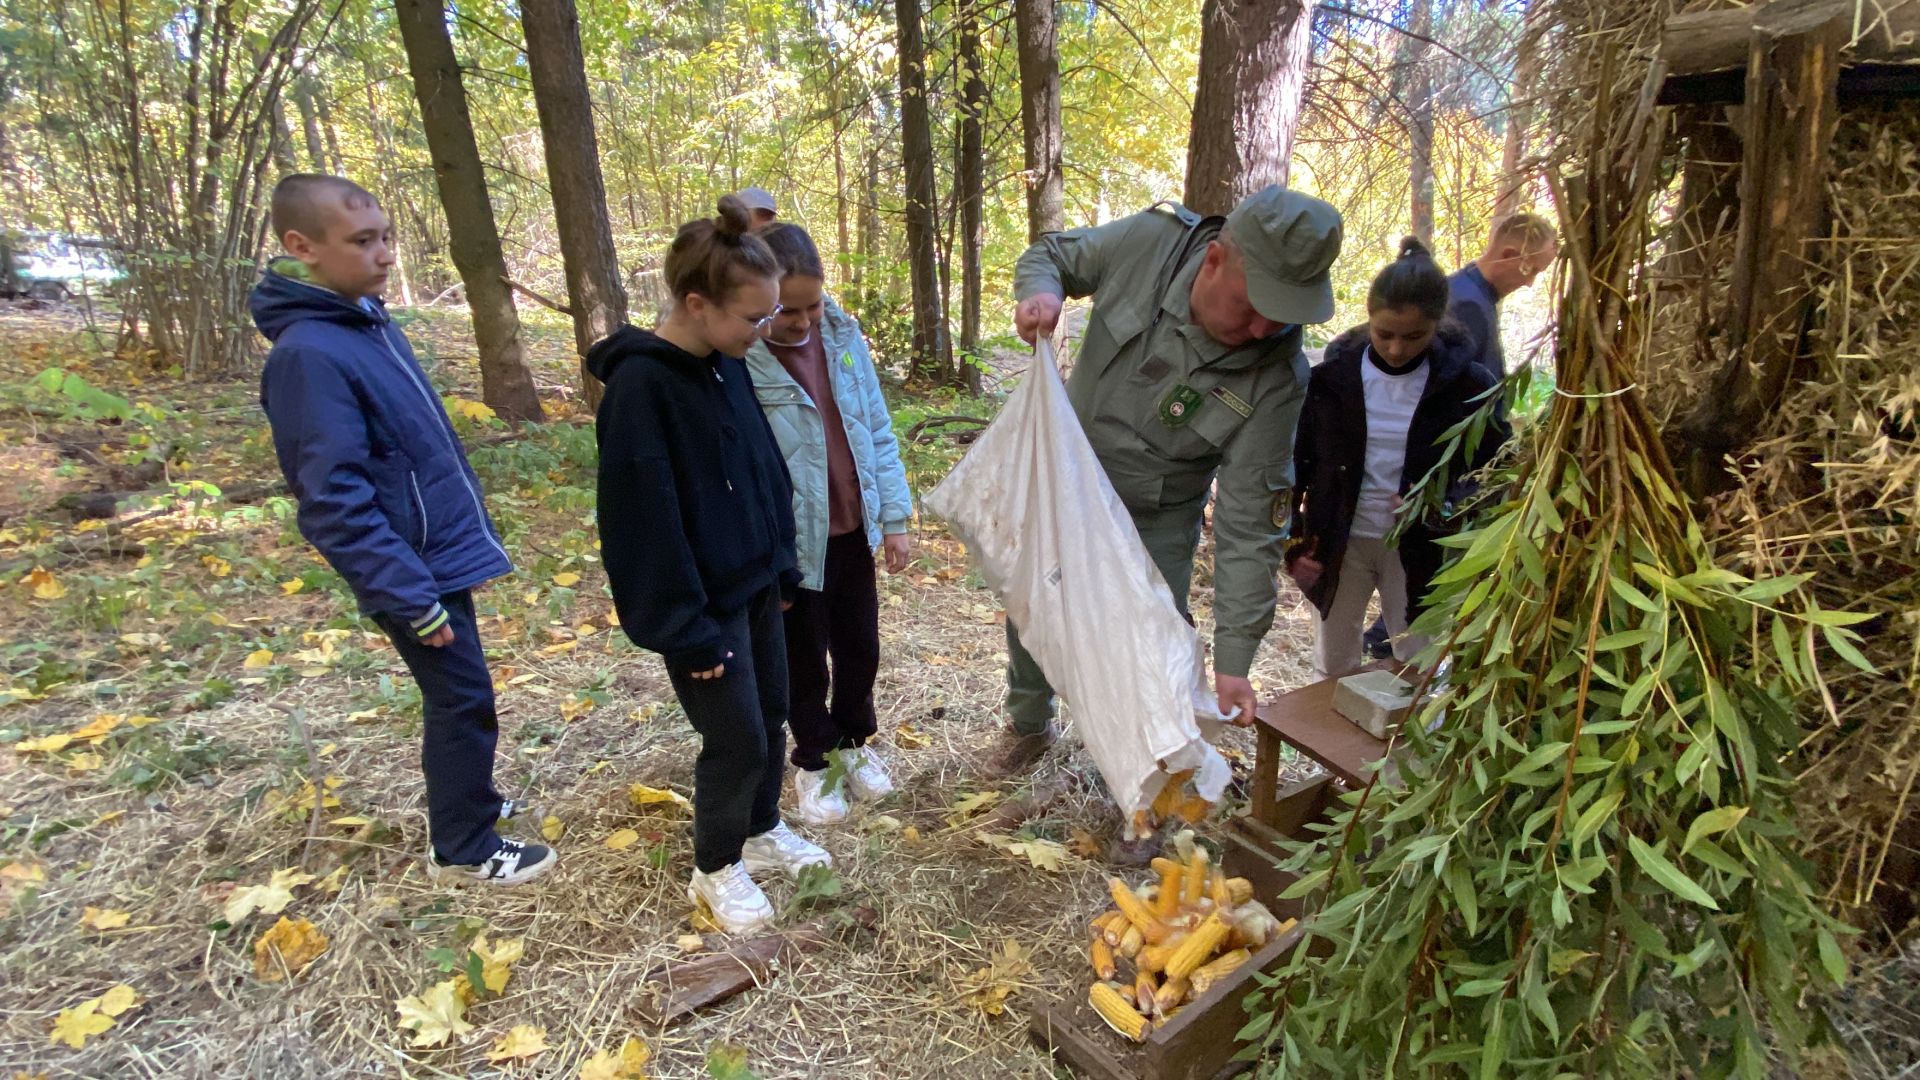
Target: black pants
(456, 751)
(741, 717)
(841, 621)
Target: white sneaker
(782, 849)
(866, 776)
(813, 804)
(736, 903)
(515, 863)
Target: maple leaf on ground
(629, 1063)
(44, 585)
(969, 805)
(523, 1042)
(93, 1016)
(287, 949)
(551, 828)
(434, 1016)
(642, 796)
(496, 961)
(99, 728)
(271, 898)
(95, 918)
(50, 744)
(988, 988)
(622, 839)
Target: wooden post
(1791, 108)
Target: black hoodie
(696, 508)
(1329, 454)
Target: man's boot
(1013, 753)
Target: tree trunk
(1040, 116)
(932, 352)
(336, 164)
(559, 76)
(1526, 77)
(1253, 71)
(1420, 131)
(310, 124)
(972, 184)
(473, 238)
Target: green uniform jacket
(1168, 409)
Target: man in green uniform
(1190, 372)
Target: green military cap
(1288, 242)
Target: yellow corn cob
(1240, 890)
(1154, 957)
(1199, 947)
(1151, 928)
(1285, 926)
(1171, 993)
(1103, 965)
(1114, 931)
(1219, 968)
(1168, 799)
(1131, 942)
(1145, 985)
(1195, 880)
(1114, 1009)
(1217, 887)
(1193, 809)
(1099, 925)
(1167, 904)
(1162, 864)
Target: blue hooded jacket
(385, 491)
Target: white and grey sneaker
(781, 849)
(732, 898)
(515, 863)
(813, 803)
(866, 776)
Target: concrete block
(1377, 702)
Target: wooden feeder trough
(1199, 1043)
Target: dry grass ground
(164, 822)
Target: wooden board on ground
(681, 987)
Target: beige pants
(1370, 566)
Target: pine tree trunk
(972, 184)
(932, 352)
(559, 77)
(1420, 131)
(473, 238)
(1253, 71)
(1040, 116)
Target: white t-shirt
(1391, 399)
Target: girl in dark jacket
(696, 527)
(1376, 409)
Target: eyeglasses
(760, 323)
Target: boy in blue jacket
(387, 497)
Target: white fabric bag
(1054, 541)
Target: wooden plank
(1305, 720)
(1308, 802)
(679, 988)
(1062, 1032)
(1707, 52)
(1266, 772)
(1254, 852)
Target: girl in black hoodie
(696, 528)
(1376, 409)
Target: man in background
(760, 204)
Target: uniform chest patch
(1178, 407)
(1233, 401)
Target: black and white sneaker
(515, 863)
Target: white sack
(1051, 537)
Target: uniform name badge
(1178, 407)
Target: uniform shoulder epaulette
(1185, 216)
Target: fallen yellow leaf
(44, 585)
(613, 617)
(142, 721)
(435, 1016)
(630, 1063)
(576, 707)
(216, 565)
(95, 918)
(74, 1026)
(642, 796)
(294, 587)
(524, 1041)
(271, 898)
(559, 647)
(908, 737)
(567, 580)
(14, 871)
(258, 659)
(551, 828)
(496, 961)
(586, 630)
(351, 821)
(622, 839)
(47, 745)
(334, 882)
(119, 1000)
(287, 949)
(85, 761)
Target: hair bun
(734, 219)
(1411, 247)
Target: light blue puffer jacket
(885, 499)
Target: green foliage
(79, 399)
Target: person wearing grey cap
(759, 204)
(1190, 373)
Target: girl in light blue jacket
(817, 385)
